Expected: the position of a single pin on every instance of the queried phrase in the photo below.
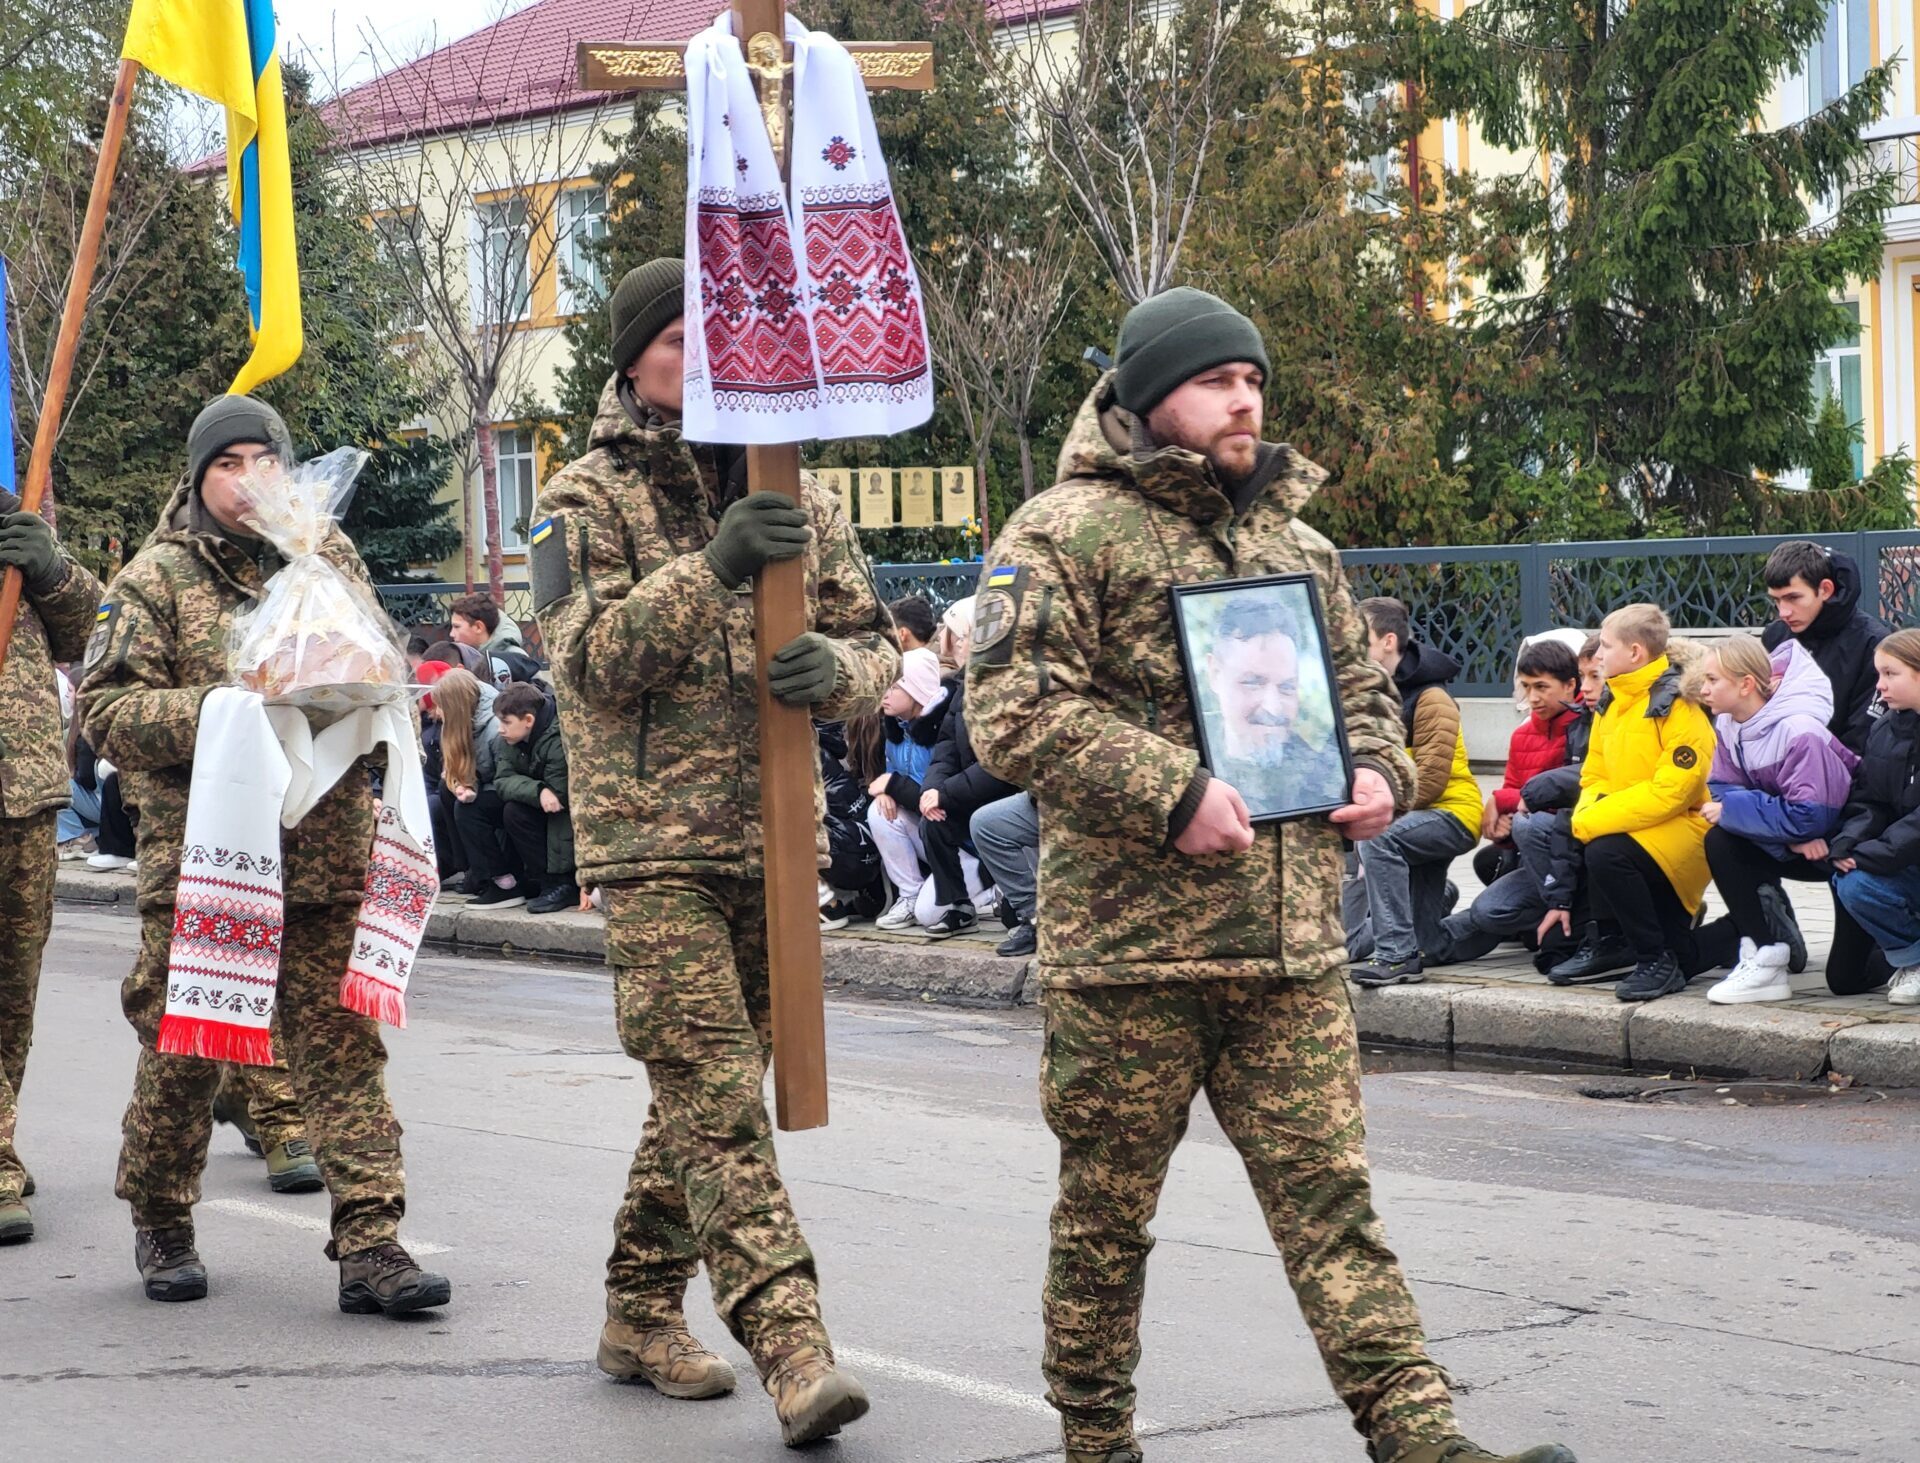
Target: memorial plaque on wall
(916, 497)
(876, 497)
(956, 495)
(839, 482)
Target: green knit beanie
(1173, 337)
(647, 300)
(227, 420)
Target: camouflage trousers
(265, 1094)
(689, 957)
(28, 858)
(1279, 1062)
(334, 1057)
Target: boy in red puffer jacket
(1549, 678)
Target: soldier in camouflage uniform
(643, 557)
(56, 613)
(1180, 948)
(160, 647)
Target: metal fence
(1476, 603)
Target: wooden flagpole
(67, 344)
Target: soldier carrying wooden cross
(686, 704)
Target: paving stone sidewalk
(1497, 1006)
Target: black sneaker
(958, 920)
(1596, 959)
(1778, 909)
(456, 884)
(1378, 972)
(556, 900)
(1023, 941)
(1652, 979)
(837, 914)
(170, 1268)
(494, 897)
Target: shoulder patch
(1685, 758)
(104, 621)
(552, 571)
(995, 614)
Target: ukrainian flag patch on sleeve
(103, 622)
(540, 530)
(996, 614)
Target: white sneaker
(108, 861)
(1761, 975)
(1904, 990)
(900, 916)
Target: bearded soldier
(1181, 949)
(644, 553)
(56, 615)
(160, 648)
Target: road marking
(247, 1209)
(973, 1389)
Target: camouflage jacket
(160, 647)
(653, 657)
(52, 629)
(1075, 692)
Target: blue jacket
(910, 751)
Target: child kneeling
(1876, 853)
(530, 774)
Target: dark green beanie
(1172, 338)
(227, 420)
(647, 300)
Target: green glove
(759, 528)
(803, 672)
(27, 544)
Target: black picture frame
(1279, 790)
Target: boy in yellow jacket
(1405, 869)
(1641, 790)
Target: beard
(1269, 750)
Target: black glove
(803, 672)
(759, 528)
(27, 544)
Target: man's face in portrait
(1256, 679)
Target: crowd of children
(1648, 770)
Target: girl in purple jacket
(1779, 783)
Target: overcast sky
(331, 36)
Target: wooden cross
(788, 756)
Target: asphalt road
(1681, 1280)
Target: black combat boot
(1598, 958)
(169, 1265)
(384, 1280)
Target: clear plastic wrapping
(317, 638)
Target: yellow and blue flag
(224, 51)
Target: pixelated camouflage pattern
(653, 657)
(27, 861)
(1280, 1064)
(1088, 710)
(690, 990)
(172, 612)
(336, 1061)
(267, 1095)
(52, 629)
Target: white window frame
(385, 226)
(516, 465)
(493, 227)
(1848, 41)
(579, 283)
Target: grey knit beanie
(1173, 337)
(227, 420)
(646, 301)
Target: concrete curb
(1471, 1016)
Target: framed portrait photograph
(1265, 700)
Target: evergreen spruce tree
(1671, 280)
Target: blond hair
(1741, 656)
(1903, 646)
(456, 696)
(1645, 625)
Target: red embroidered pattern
(233, 932)
(866, 323)
(756, 335)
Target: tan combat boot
(812, 1399)
(666, 1358)
(16, 1224)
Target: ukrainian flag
(223, 50)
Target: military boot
(16, 1224)
(812, 1399)
(169, 1265)
(384, 1279)
(666, 1358)
(1128, 1454)
(291, 1169)
(230, 1107)
(1459, 1450)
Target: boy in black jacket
(955, 786)
(530, 774)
